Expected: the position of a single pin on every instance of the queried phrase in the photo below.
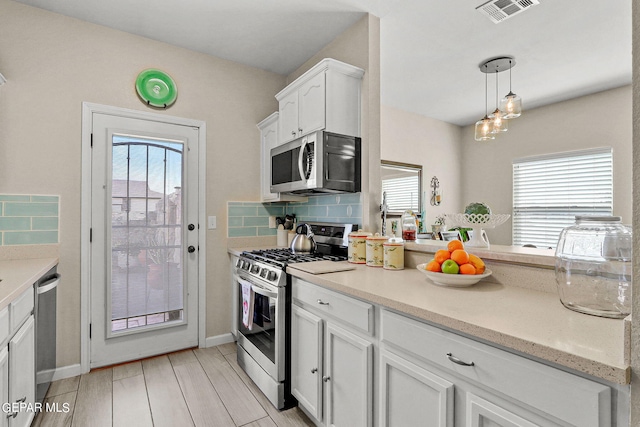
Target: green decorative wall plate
(156, 88)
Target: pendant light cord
(510, 67)
(496, 88)
(486, 92)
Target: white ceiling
(430, 49)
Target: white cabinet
(18, 361)
(331, 363)
(4, 383)
(325, 97)
(306, 360)
(412, 395)
(492, 387)
(268, 140)
(22, 374)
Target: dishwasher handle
(50, 284)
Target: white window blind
(401, 182)
(549, 191)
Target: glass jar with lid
(409, 225)
(593, 266)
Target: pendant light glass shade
(511, 105)
(500, 124)
(484, 128)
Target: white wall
(434, 144)
(52, 64)
(598, 120)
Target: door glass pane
(146, 233)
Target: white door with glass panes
(144, 244)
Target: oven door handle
(262, 291)
(258, 289)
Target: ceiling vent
(501, 10)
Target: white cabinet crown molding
(324, 65)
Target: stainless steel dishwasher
(45, 313)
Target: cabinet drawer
(21, 308)
(4, 324)
(351, 311)
(568, 397)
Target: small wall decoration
(156, 88)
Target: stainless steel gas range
(264, 312)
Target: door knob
(191, 227)
(191, 249)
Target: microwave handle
(303, 173)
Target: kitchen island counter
(529, 321)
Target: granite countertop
(529, 321)
(18, 274)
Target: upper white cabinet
(325, 97)
(268, 140)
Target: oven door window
(263, 329)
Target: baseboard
(67, 372)
(73, 370)
(219, 340)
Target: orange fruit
(477, 263)
(433, 265)
(442, 255)
(460, 256)
(467, 269)
(455, 245)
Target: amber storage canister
(357, 249)
(394, 254)
(375, 250)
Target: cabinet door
(4, 384)
(311, 108)
(269, 140)
(482, 413)
(306, 360)
(288, 118)
(22, 372)
(348, 378)
(413, 396)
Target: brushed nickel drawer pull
(322, 302)
(314, 370)
(326, 378)
(458, 361)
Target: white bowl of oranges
(454, 267)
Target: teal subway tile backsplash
(29, 219)
(248, 219)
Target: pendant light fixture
(511, 104)
(485, 125)
(500, 124)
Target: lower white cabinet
(465, 383)
(4, 384)
(331, 367)
(413, 396)
(22, 375)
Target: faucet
(384, 208)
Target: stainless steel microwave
(321, 162)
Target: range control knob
(246, 265)
(264, 273)
(255, 269)
(239, 263)
(272, 275)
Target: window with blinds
(402, 183)
(549, 191)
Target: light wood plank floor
(200, 387)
